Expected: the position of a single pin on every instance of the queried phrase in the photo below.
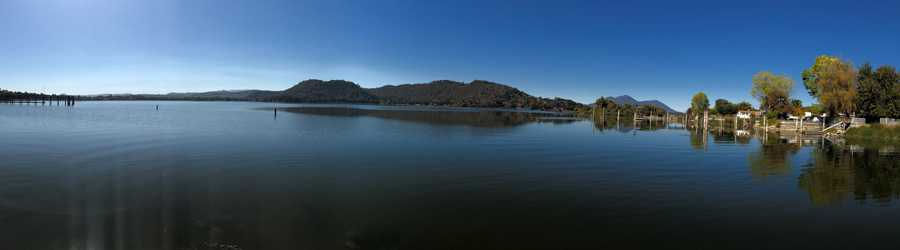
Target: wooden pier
(42, 99)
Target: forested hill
(322, 91)
(475, 94)
(482, 94)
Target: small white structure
(745, 114)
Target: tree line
(838, 85)
(18, 95)
(610, 108)
(700, 103)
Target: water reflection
(836, 174)
(772, 160)
(468, 117)
(844, 173)
(622, 126)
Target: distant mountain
(482, 94)
(313, 90)
(621, 100)
(478, 93)
(222, 95)
(238, 94)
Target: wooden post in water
(276, 112)
(667, 122)
(705, 120)
(157, 107)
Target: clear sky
(580, 50)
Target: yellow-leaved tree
(837, 87)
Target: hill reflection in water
(440, 116)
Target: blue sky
(580, 50)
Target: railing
(834, 124)
(889, 121)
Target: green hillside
(478, 93)
(313, 90)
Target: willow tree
(764, 82)
(837, 86)
(811, 76)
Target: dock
(35, 99)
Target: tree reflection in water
(841, 173)
(771, 161)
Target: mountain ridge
(623, 99)
(478, 93)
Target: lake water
(124, 175)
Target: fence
(856, 122)
(889, 121)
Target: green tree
(837, 84)
(797, 103)
(657, 111)
(869, 92)
(811, 75)
(878, 92)
(606, 104)
(743, 106)
(777, 102)
(889, 80)
(765, 82)
(724, 107)
(814, 108)
(699, 103)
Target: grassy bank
(875, 132)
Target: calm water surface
(123, 175)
